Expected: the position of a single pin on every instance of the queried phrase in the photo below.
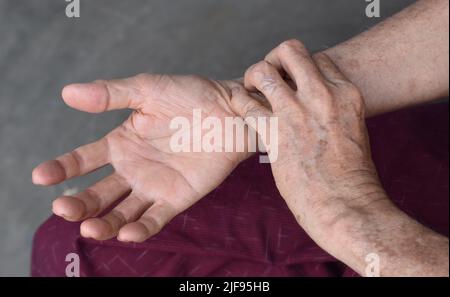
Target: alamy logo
(373, 9)
(73, 268)
(212, 134)
(73, 9)
(373, 265)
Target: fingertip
(96, 228)
(35, 177)
(48, 173)
(69, 94)
(134, 232)
(69, 208)
(89, 97)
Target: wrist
(402, 246)
(331, 220)
(327, 203)
(350, 234)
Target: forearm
(402, 61)
(403, 246)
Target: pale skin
(162, 184)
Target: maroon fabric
(244, 228)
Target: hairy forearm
(402, 61)
(402, 246)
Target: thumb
(247, 107)
(104, 95)
(259, 118)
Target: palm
(162, 183)
(140, 148)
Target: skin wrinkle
(382, 62)
(170, 166)
(269, 85)
(94, 200)
(60, 165)
(134, 157)
(335, 185)
(78, 161)
(108, 97)
(118, 215)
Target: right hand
(323, 168)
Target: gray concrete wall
(41, 50)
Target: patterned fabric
(244, 228)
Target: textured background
(41, 50)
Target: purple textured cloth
(244, 228)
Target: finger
(129, 210)
(246, 106)
(104, 95)
(255, 115)
(91, 201)
(293, 57)
(150, 223)
(78, 162)
(328, 69)
(265, 78)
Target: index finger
(293, 57)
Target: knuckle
(250, 72)
(142, 76)
(264, 74)
(77, 160)
(120, 216)
(155, 224)
(320, 58)
(292, 45)
(261, 67)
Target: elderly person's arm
(402, 61)
(323, 169)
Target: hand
(160, 183)
(324, 167)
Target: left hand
(324, 169)
(159, 183)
